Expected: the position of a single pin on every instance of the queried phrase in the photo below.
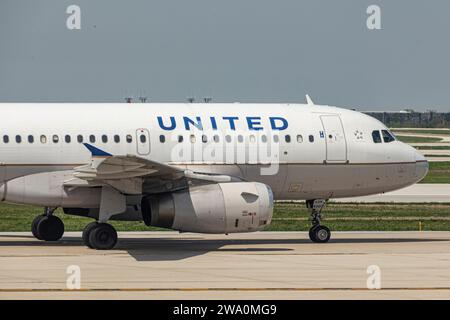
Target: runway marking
(222, 289)
(369, 219)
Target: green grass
(286, 217)
(439, 173)
(437, 155)
(425, 131)
(353, 210)
(362, 225)
(432, 147)
(18, 218)
(338, 210)
(413, 139)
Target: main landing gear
(96, 235)
(317, 233)
(47, 227)
(100, 236)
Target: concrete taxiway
(418, 193)
(262, 265)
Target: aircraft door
(336, 145)
(143, 142)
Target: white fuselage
(300, 151)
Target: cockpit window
(376, 136)
(387, 136)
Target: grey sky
(231, 50)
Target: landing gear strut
(99, 234)
(47, 227)
(317, 233)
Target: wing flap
(128, 173)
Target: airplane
(207, 168)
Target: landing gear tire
(311, 234)
(34, 226)
(103, 236)
(87, 231)
(48, 228)
(319, 234)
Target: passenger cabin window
(264, 138)
(276, 139)
(67, 138)
(143, 138)
(228, 138)
(299, 138)
(180, 139)
(192, 138)
(116, 138)
(387, 136)
(240, 138)
(311, 138)
(80, 138)
(92, 138)
(18, 139)
(376, 136)
(216, 138)
(43, 138)
(6, 139)
(55, 138)
(252, 139)
(129, 138)
(287, 138)
(204, 139)
(30, 139)
(162, 138)
(104, 138)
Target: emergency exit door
(336, 145)
(143, 141)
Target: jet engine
(213, 208)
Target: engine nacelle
(213, 208)
(46, 189)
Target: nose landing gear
(47, 227)
(317, 233)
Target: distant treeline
(413, 119)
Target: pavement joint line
(222, 289)
(369, 219)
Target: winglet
(96, 152)
(309, 100)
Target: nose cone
(421, 166)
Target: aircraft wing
(123, 167)
(135, 175)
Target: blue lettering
(231, 120)
(274, 125)
(213, 123)
(172, 123)
(254, 123)
(188, 122)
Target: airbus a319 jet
(208, 168)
